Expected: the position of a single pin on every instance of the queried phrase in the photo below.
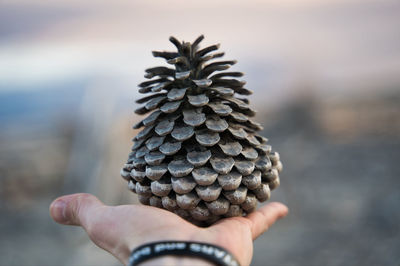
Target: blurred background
(326, 81)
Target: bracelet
(212, 253)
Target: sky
(330, 46)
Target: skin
(120, 229)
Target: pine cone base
(199, 154)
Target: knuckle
(78, 206)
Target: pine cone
(198, 154)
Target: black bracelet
(215, 254)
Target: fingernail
(58, 211)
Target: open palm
(120, 229)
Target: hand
(120, 229)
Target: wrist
(176, 261)
(181, 253)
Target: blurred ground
(340, 181)
(341, 184)
(326, 77)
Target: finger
(266, 216)
(75, 209)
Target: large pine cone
(198, 154)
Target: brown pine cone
(198, 154)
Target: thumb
(74, 209)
